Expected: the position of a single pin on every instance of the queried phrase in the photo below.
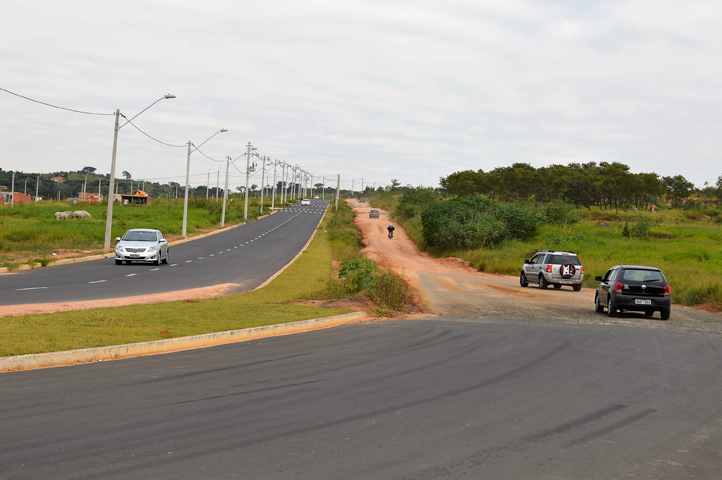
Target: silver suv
(553, 268)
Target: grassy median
(305, 278)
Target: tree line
(605, 184)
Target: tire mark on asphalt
(615, 426)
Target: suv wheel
(522, 280)
(577, 287)
(611, 311)
(557, 286)
(543, 282)
(598, 306)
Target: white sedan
(142, 245)
(305, 201)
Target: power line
(155, 139)
(53, 106)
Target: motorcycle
(391, 234)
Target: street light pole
(188, 171)
(273, 198)
(225, 193)
(109, 215)
(249, 152)
(263, 179)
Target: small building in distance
(7, 197)
(89, 197)
(138, 197)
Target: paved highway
(397, 399)
(247, 255)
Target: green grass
(306, 278)
(30, 230)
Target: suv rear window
(561, 259)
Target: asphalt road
(247, 255)
(397, 399)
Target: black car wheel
(598, 306)
(543, 282)
(167, 256)
(118, 262)
(665, 314)
(649, 313)
(611, 311)
(522, 280)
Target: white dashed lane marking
(98, 281)
(154, 269)
(131, 275)
(30, 288)
(189, 261)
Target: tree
(88, 170)
(394, 184)
(677, 188)
(459, 184)
(127, 175)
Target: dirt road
(448, 286)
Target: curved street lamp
(188, 169)
(111, 187)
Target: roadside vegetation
(29, 234)
(331, 268)
(496, 235)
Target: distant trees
(610, 185)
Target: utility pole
(99, 192)
(185, 199)
(218, 182)
(109, 215)
(362, 186)
(37, 188)
(12, 192)
(208, 184)
(323, 189)
(263, 179)
(250, 151)
(273, 198)
(352, 181)
(25, 192)
(225, 193)
(338, 189)
(284, 192)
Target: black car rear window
(635, 275)
(561, 259)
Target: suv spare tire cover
(568, 270)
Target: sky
(372, 90)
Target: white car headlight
(152, 249)
(120, 249)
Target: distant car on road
(316, 197)
(553, 268)
(361, 200)
(373, 214)
(634, 288)
(305, 201)
(142, 245)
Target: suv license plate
(642, 302)
(566, 282)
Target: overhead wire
(152, 138)
(53, 106)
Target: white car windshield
(140, 236)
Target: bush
(642, 229)
(358, 275)
(474, 221)
(416, 200)
(561, 213)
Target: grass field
(307, 278)
(29, 232)
(682, 244)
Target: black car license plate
(642, 302)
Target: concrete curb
(66, 261)
(116, 352)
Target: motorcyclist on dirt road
(391, 229)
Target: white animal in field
(63, 215)
(81, 214)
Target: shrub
(389, 292)
(358, 275)
(416, 200)
(561, 213)
(642, 228)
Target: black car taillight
(618, 287)
(667, 290)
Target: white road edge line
(29, 288)
(98, 281)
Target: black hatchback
(634, 288)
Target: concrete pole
(208, 184)
(12, 192)
(109, 215)
(263, 180)
(273, 198)
(185, 200)
(338, 189)
(37, 188)
(225, 193)
(284, 192)
(218, 182)
(248, 176)
(99, 192)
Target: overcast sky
(409, 90)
